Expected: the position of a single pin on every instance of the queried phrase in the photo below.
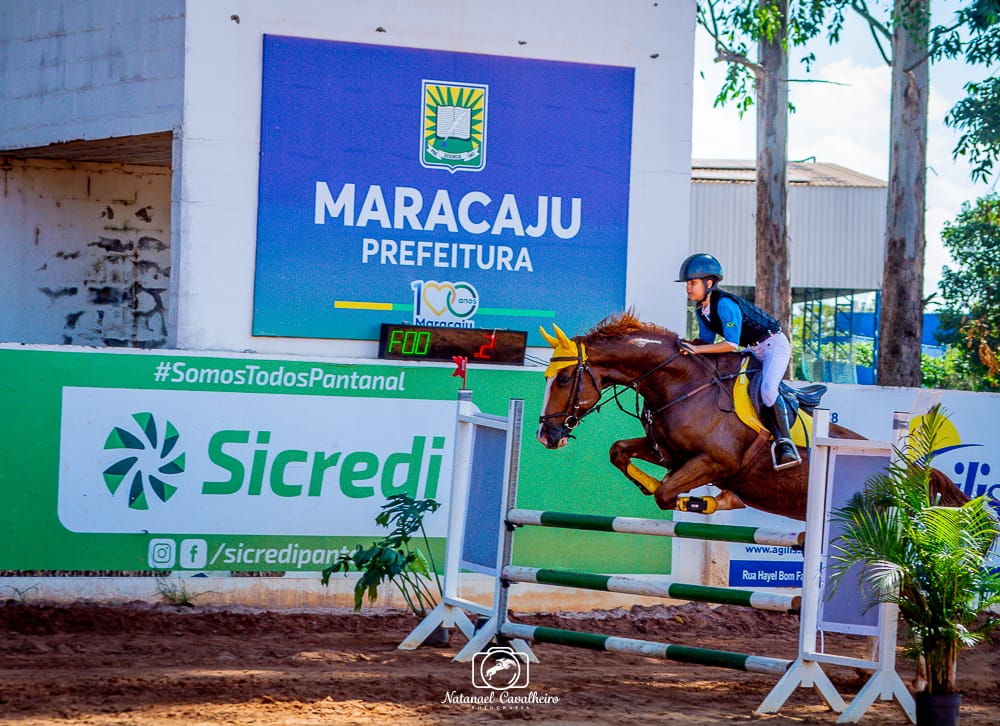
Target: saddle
(801, 401)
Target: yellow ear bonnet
(565, 352)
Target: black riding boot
(784, 453)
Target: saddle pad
(748, 415)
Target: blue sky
(848, 123)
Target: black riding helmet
(698, 266)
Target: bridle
(572, 417)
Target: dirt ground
(154, 664)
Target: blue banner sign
(764, 573)
(438, 188)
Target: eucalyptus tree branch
(727, 56)
(815, 80)
(861, 8)
(723, 52)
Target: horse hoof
(698, 505)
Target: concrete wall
(94, 69)
(89, 69)
(86, 251)
(221, 134)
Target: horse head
(572, 390)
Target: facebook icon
(192, 554)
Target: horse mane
(623, 323)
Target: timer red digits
(481, 354)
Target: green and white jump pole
(658, 527)
(648, 648)
(757, 599)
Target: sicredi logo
(148, 460)
(211, 462)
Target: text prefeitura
(475, 214)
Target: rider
(744, 327)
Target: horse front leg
(623, 452)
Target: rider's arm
(723, 346)
(732, 323)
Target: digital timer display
(479, 345)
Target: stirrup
(787, 464)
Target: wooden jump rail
(759, 600)
(633, 586)
(658, 527)
(630, 646)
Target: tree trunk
(901, 325)
(773, 291)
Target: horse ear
(563, 338)
(551, 340)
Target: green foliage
(929, 560)
(977, 116)
(395, 558)
(175, 592)
(736, 26)
(969, 315)
(950, 371)
(22, 594)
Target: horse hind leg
(729, 500)
(623, 452)
(709, 504)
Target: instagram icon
(162, 553)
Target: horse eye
(563, 379)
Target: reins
(572, 419)
(715, 380)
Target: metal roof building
(836, 225)
(836, 233)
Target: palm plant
(396, 557)
(929, 560)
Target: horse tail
(944, 491)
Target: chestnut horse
(691, 428)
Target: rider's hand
(687, 348)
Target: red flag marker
(461, 367)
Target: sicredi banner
(169, 460)
(155, 460)
(231, 463)
(438, 188)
